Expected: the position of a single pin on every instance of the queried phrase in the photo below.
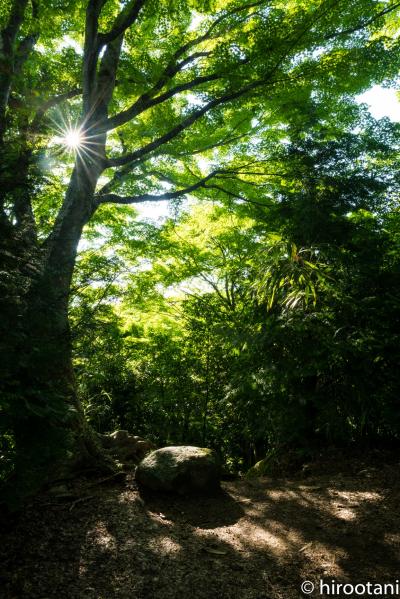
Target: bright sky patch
(382, 102)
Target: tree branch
(98, 88)
(25, 47)
(8, 37)
(148, 197)
(90, 51)
(208, 34)
(123, 21)
(173, 68)
(187, 122)
(145, 101)
(365, 24)
(50, 102)
(223, 142)
(234, 195)
(10, 32)
(106, 80)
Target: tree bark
(48, 420)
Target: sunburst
(74, 139)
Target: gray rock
(126, 447)
(181, 469)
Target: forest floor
(257, 539)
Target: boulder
(181, 469)
(126, 447)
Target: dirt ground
(255, 540)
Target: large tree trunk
(49, 426)
(37, 385)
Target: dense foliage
(262, 327)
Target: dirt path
(256, 540)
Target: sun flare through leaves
(73, 139)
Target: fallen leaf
(305, 547)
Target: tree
(149, 88)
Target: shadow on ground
(254, 540)
(203, 511)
